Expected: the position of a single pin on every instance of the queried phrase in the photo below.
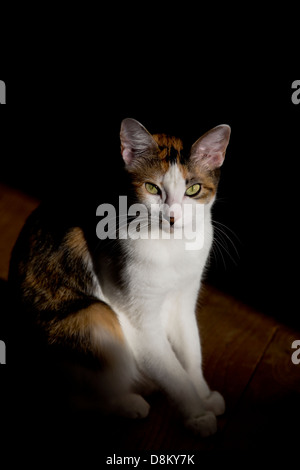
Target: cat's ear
(210, 149)
(135, 140)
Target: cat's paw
(205, 425)
(215, 403)
(132, 406)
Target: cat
(124, 306)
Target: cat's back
(51, 259)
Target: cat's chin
(172, 229)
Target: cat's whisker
(112, 236)
(222, 228)
(142, 223)
(216, 250)
(221, 240)
(226, 228)
(227, 242)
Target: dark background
(60, 134)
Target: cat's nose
(172, 220)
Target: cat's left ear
(210, 149)
(135, 141)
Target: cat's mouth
(170, 225)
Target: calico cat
(124, 306)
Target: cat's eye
(152, 188)
(193, 190)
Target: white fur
(174, 189)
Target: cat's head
(166, 177)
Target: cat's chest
(160, 265)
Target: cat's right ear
(135, 141)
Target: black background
(72, 81)
(60, 133)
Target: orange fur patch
(168, 142)
(94, 330)
(76, 242)
(79, 324)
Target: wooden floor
(247, 357)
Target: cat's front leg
(157, 360)
(213, 400)
(164, 368)
(183, 334)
